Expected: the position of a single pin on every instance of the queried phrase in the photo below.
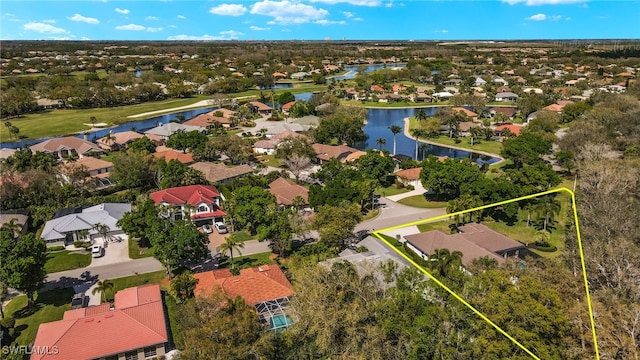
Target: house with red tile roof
(377, 88)
(260, 108)
(200, 202)
(473, 241)
(287, 107)
(467, 112)
(207, 119)
(285, 190)
(265, 287)
(67, 146)
(514, 129)
(134, 329)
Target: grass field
(135, 280)
(243, 236)
(136, 252)
(390, 190)
(248, 261)
(66, 260)
(420, 201)
(493, 147)
(50, 306)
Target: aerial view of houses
(317, 199)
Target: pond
(352, 70)
(378, 122)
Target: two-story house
(200, 203)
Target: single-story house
(409, 176)
(258, 107)
(135, 329)
(328, 152)
(265, 287)
(170, 154)
(286, 190)
(514, 129)
(506, 96)
(443, 95)
(207, 119)
(473, 241)
(77, 224)
(299, 75)
(220, 173)
(166, 130)
(5, 153)
(118, 140)
(67, 146)
(97, 168)
(267, 147)
(510, 112)
(467, 112)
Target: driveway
(394, 214)
(419, 190)
(115, 252)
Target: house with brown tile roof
(328, 152)
(467, 112)
(118, 140)
(220, 173)
(134, 329)
(285, 190)
(509, 111)
(168, 155)
(260, 108)
(207, 119)
(473, 241)
(409, 176)
(67, 146)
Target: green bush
(361, 249)
(411, 187)
(55, 248)
(82, 244)
(8, 322)
(544, 246)
(415, 257)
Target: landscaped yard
(391, 190)
(135, 280)
(66, 260)
(490, 146)
(50, 306)
(420, 201)
(137, 252)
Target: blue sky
(319, 19)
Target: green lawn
(136, 252)
(50, 306)
(391, 190)
(269, 160)
(437, 225)
(371, 214)
(66, 260)
(248, 261)
(493, 147)
(420, 201)
(135, 280)
(243, 236)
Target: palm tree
(102, 287)
(548, 206)
(421, 115)
(416, 133)
(445, 261)
(453, 206)
(12, 227)
(380, 142)
(103, 230)
(395, 129)
(93, 121)
(231, 243)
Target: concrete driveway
(115, 252)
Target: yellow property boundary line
(477, 312)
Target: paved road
(394, 214)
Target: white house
(506, 96)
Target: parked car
(96, 251)
(77, 301)
(221, 227)
(207, 228)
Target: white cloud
(257, 28)
(88, 20)
(224, 35)
(555, 17)
(286, 30)
(442, 31)
(537, 17)
(50, 21)
(348, 14)
(154, 29)
(182, 17)
(351, 2)
(288, 12)
(173, 26)
(542, 2)
(123, 11)
(358, 19)
(329, 22)
(229, 10)
(131, 27)
(43, 28)
(151, 18)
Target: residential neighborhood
(334, 200)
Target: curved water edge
(407, 134)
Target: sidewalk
(419, 190)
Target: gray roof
(106, 213)
(166, 130)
